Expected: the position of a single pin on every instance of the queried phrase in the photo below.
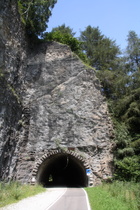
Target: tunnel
(61, 170)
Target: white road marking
(88, 204)
(56, 200)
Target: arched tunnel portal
(62, 169)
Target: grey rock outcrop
(50, 101)
(12, 54)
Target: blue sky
(115, 18)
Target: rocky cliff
(12, 54)
(49, 102)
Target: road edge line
(87, 199)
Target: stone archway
(61, 169)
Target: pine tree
(100, 50)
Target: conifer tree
(100, 50)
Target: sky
(115, 18)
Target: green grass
(115, 196)
(14, 191)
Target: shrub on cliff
(68, 39)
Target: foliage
(63, 38)
(100, 50)
(115, 81)
(135, 144)
(14, 191)
(35, 14)
(126, 159)
(64, 30)
(127, 109)
(114, 196)
(121, 87)
(128, 169)
(133, 50)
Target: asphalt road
(72, 199)
(54, 199)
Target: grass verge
(115, 196)
(13, 192)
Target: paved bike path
(52, 199)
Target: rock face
(12, 54)
(50, 104)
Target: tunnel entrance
(62, 170)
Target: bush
(128, 151)
(128, 169)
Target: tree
(113, 83)
(121, 87)
(35, 14)
(64, 30)
(133, 51)
(90, 38)
(128, 107)
(101, 51)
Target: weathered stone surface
(49, 101)
(12, 54)
(67, 109)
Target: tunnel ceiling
(62, 170)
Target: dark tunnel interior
(62, 170)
